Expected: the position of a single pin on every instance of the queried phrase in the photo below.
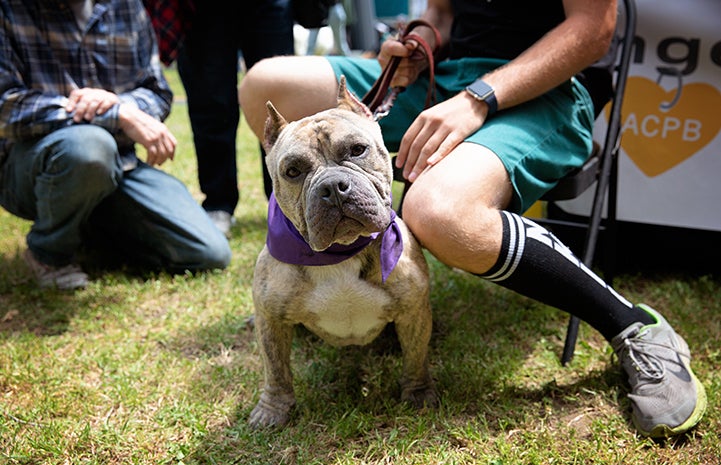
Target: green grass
(164, 370)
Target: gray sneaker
(666, 396)
(222, 220)
(68, 277)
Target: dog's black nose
(335, 191)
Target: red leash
(378, 100)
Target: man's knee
(217, 255)
(86, 157)
(87, 148)
(297, 86)
(259, 83)
(426, 213)
(254, 91)
(453, 227)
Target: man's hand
(87, 102)
(152, 134)
(410, 67)
(437, 131)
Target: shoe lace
(641, 354)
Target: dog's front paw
(271, 412)
(262, 417)
(421, 396)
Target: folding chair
(600, 169)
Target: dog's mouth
(345, 224)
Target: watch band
(480, 90)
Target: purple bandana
(287, 245)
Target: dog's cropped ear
(274, 124)
(348, 101)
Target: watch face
(484, 92)
(481, 89)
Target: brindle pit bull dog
(337, 260)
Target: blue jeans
(208, 67)
(71, 184)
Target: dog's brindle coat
(332, 178)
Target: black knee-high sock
(533, 262)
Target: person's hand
(88, 102)
(437, 131)
(414, 60)
(152, 134)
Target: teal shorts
(538, 142)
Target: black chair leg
(570, 344)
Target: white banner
(670, 163)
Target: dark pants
(208, 67)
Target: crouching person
(80, 88)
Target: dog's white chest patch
(344, 307)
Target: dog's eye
(292, 172)
(357, 150)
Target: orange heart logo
(655, 139)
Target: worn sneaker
(666, 396)
(222, 220)
(67, 277)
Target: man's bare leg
(297, 86)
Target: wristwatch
(479, 90)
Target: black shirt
(501, 28)
(505, 28)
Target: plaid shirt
(171, 21)
(44, 55)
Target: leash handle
(378, 100)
